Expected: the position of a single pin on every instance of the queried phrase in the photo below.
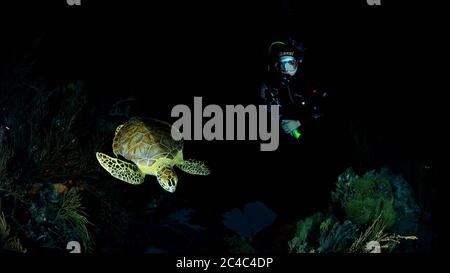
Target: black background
(378, 60)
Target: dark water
(372, 65)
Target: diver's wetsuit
(297, 100)
(303, 163)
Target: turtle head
(167, 178)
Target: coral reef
(364, 198)
(255, 217)
(45, 162)
(320, 234)
(71, 216)
(57, 218)
(407, 211)
(300, 244)
(53, 190)
(246, 224)
(375, 237)
(372, 213)
(8, 243)
(337, 238)
(7, 186)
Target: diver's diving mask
(288, 65)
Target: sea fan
(247, 223)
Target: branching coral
(53, 138)
(5, 155)
(56, 219)
(56, 144)
(73, 220)
(301, 243)
(337, 238)
(375, 233)
(8, 243)
(7, 186)
(320, 234)
(46, 138)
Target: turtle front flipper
(120, 169)
(118, 129)
(194, 167)
(167, 178)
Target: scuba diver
(300, 102)
(311, 134)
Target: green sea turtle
(150, 148)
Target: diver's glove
(291, 127)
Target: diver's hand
(290, 125)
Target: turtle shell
(143, 141)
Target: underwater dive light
(296, 134)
